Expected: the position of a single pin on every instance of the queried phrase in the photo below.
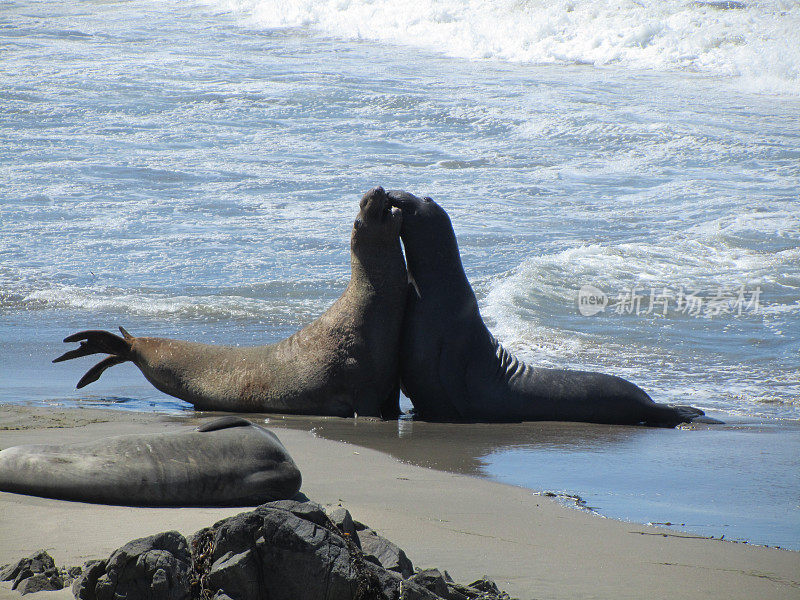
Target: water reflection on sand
(705, 479)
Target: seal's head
(427, 233)
(378, 222)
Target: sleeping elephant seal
(344, 363)
(453, 369)
(227, 462)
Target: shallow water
(192, 170)
(706, 480)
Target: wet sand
(532, 546)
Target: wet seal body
(344, 363)
(453, 369)
(227, 462)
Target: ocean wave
(548, 285)
(754, 41)
(744, 270)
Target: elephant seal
(344, 363)
(227, 462)
(453, 369)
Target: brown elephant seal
(344, 363)
(227, 462)
(453, 369)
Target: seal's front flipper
(691, 414)
(671, 415)
(98, 342)
(224, 423)
(706, 420)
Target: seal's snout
(375, 207)
(406, 202)
(374, 200)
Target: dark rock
(74, 572)
(286, 550)
(41, 562)
(308, 510)
(394, 587)
(38, 562)
(23, 574)
(485, 585)
(432, 580)
(483, 589)
(84, 584)
(41, 582)
(387, 553)
(68, 575)
(9, 572)
(340, 517)
(458, 592)
(151, 568)
(488, 589)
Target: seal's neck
(441, 275)
(379, 271)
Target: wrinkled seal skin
(453, 369)
(344, 363)
(228, 462)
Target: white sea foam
(273, 311)
(755, 41)
(746, 249)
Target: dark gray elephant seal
(227, 462)
(453, 369)
(344, 363)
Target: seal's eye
(428, 199)
(358, 223)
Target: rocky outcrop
(37, 573)
(158, 566)
(383, 552)
(285, 550)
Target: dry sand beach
(530, 545)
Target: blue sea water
(192, 170)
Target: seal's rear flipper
(98, 342)
(94, 373)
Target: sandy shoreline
(531, 546)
